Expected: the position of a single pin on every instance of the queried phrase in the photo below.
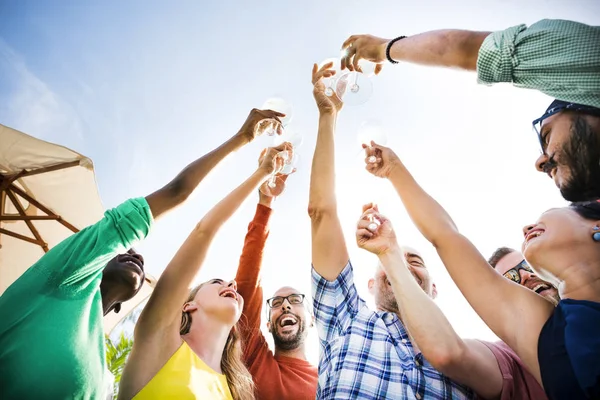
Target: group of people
(206, 342)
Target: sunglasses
(513, 273)
(537, 123)
(277, 301)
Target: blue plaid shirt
(367, 354)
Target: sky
(145, 87)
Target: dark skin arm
(178, 190)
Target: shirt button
(418, 396)
(404, 341)
(417, 363)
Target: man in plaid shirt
(365, 354)
(557, 57)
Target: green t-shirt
(51, 318)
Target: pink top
(517, 382)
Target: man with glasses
(284, 373)
(512, 265)
(557, 57)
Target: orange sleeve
(248, 273)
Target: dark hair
(499, 254)
(581, 153)
(587, 209)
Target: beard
(288, 342)
(581, 154)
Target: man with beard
(365, 353)
(286, 373)
(557, 57)
(51, 330)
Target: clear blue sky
(145, 87)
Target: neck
(207, 338)
(581, 282)
(299, 352)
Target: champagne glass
(355, 88)
(270, 126)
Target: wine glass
(290, 135)
(274, 186)
(330, 82)
(270, 126)
(355, 88)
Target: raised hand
(278, 164)
(326, 104)
(248, 131)
(374, 232)
(269, 162)
(380, 160)
(364, 47)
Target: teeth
(539, 288)
(287, 319)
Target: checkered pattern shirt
(559, 58)
(367, 354)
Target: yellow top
(186, 376)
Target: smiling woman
(186, 341)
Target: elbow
(443, 237)
(316, 211)
(446, 359)
(177, 191)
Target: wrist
(393, 251)
(265, 200)
(327, 114)
(240, 139)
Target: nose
(232, 284)
(286, 305)
(525, 276)
(527, 228)
(541, 161)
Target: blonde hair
(238, 377)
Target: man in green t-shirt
(51, 318)
(557, 57)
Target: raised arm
(493, 297)
(444, 48)
(179, 189)
(329, 253)
(566, 69)
(470, 363)
(162, 314)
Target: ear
(371, 285)
(190, 306)
(433, 291)
(312, 321)
(269, 326)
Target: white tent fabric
(47, 192)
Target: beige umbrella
(47, 192)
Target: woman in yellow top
(186, 344)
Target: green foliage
(116, 356)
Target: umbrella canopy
(47, 193)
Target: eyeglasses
(277, 301)
(513, 273)
(537, 123)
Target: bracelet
(388, 48)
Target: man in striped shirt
(365, 354)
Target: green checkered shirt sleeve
(557, 57)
